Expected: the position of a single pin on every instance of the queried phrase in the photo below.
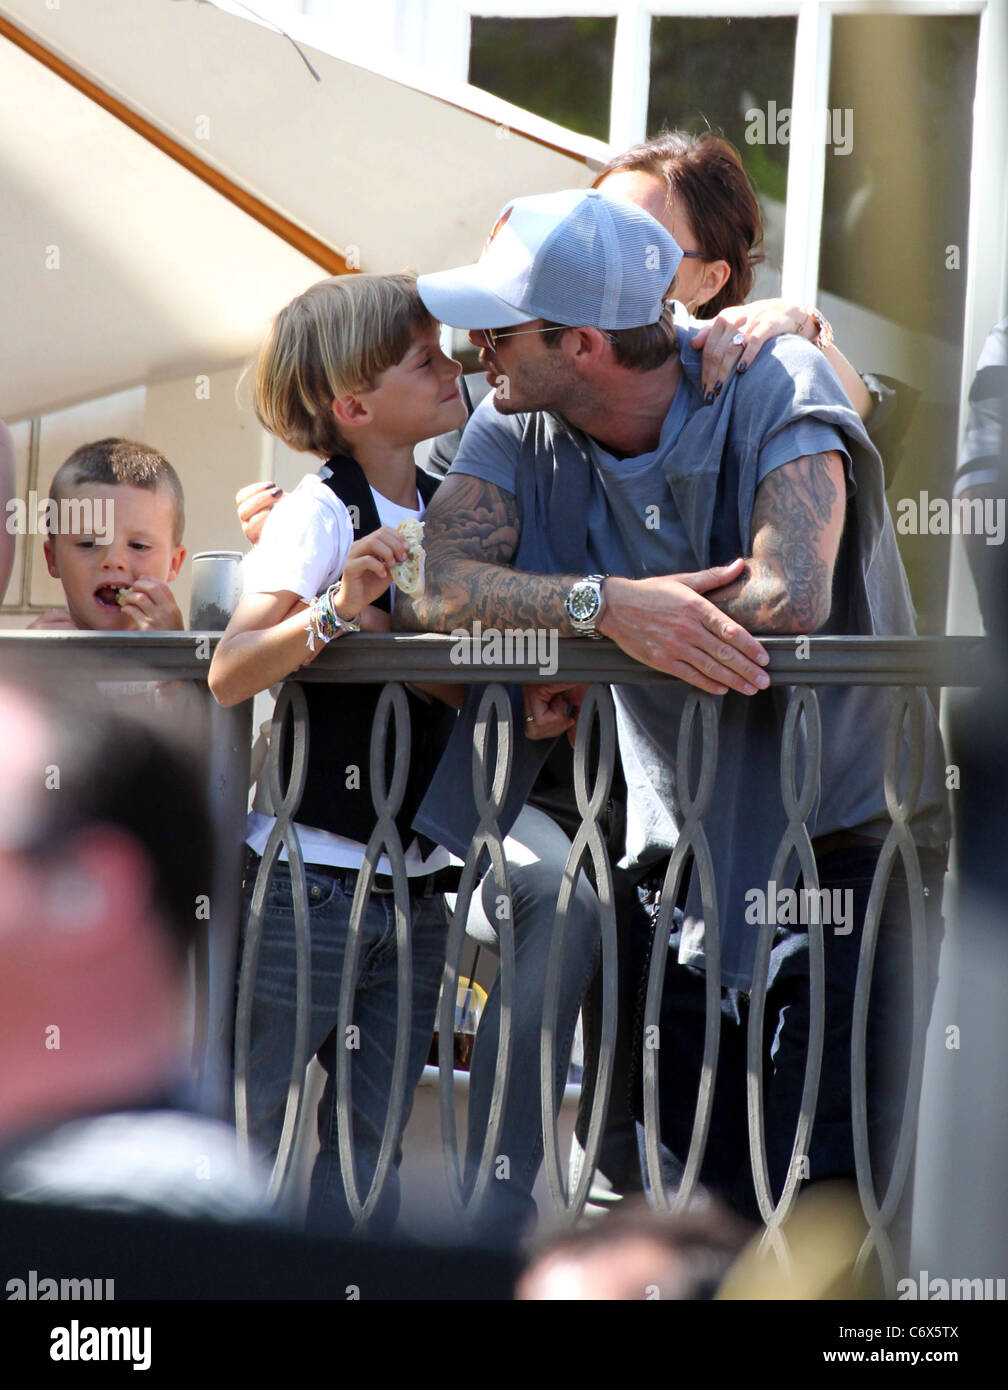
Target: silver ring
(530, 719)
(738, 340)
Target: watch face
(583, 603)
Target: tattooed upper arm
(469, 523)
(473, 519)
(472, 538)
(797, 522)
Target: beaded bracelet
(323, 620)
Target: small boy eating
(117, 542)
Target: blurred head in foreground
(637, 1253)
(105, 846)
(813, 1255)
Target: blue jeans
(536, 852)
(726, 1167)
(330, 896)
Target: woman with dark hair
(706, 194)
(697, 187)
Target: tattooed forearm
(471, 533)
(758, 600)
(496, 597)
(796, 526)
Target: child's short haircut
(336, 338)
(118, 462)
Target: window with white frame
(874, 137)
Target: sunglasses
(693, 255)
(494, 335)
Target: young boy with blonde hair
(352, 371)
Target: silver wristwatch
(584, 604)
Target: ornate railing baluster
(487, 836)
(596, 708)
(385, 836)
(798, 805)
(283, 835)
(898, 841)
(230, 733)
(693, 838)
(907, 663)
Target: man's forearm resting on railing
(472, 534)
(690, 625)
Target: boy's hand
(55, 619)
(254, 504)
(150, 606)
(368, 569)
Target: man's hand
(551, 710)
(150, 606)
(254, 504)
(368, 569)
(472, 533)
(666, 623)
(54, 620)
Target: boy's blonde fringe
(334, 339)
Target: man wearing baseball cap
(596, 492)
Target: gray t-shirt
(682, 507)
(634, 525)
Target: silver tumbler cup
(216, 589)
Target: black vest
(340, 715)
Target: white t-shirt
(302, 550)
(304, 544)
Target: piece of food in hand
(408, 575)
(120, 596)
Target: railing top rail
(944, 661)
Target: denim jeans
(726, 1166)
(330, 896)
(618, 1170)
(536, 852)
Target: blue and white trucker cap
(580, 257)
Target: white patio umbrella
(170, 174)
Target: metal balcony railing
(904, 664)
